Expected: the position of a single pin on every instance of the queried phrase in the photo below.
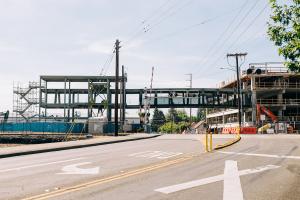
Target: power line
(229, 36)
(142, 28)
(134, 32)
(168, 35)
(170, 14)
(213, 47)
(240, 35)
(165, 15)
(107, 62)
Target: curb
(72, 147)
(228, 143)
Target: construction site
(274, 101)
(86, 104)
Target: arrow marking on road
(232, 183)
(213, 179)
(260, 155)
(74, 169)
(38, 165)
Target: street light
(228, 68)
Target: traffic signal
(257, 71)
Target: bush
(170, 127)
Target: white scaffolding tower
(26, 101)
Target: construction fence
(44, 127)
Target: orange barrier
(244, 130)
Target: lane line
(260, 155)
(213, 179)
(108, 179)
(232, 183)
(39, 165)
(155, 154)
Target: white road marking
(155, 154)
(232, 183)
(191, 184)
(74, 169)
(260, 155)
(39, 165)
(213, 179)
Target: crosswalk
(155, 154)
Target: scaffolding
(26, 101)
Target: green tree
(284, 31)
(158, 119)
(182, 116)
(201, 114)
(172, 115)
(171, 127)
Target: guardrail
(279, 85)
(279, 102)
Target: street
(168, 167)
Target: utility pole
(117, 47)
(147, 102)
(190, 86)
(237, 56)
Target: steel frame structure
(101, 86)
(65, 98)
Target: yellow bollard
(211, 142)
(206, 141)
(238, 131)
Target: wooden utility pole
(117, 47)
(237, 56)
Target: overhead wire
(239, 36)
(229, 36)
(187, 28)
(149, 17)
(173, 9)
(107, 62)
(215, 46)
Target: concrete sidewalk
(57, 146)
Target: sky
(177, 37)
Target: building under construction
(269, 100)
(275, 100)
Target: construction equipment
(261, 108)
(264, 128)
(5, 116)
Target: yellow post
(238, 131)
(206, 141)
(211, 141)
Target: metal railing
(279, 102)
(279, 85)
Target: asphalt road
(168, 167)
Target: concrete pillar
(223, 119)
(280, 100)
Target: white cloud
(6, 47)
